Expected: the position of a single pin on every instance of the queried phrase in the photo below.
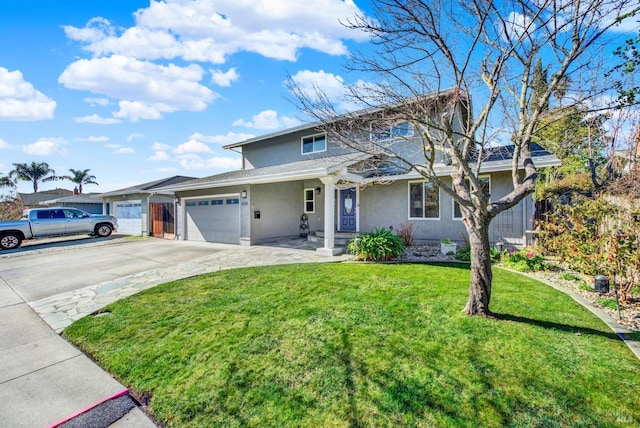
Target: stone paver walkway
(61, 310)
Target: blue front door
(348, 209)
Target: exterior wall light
(318, 190)
(243, 194)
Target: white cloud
(146, 90)
(222, 78)
(517, 26)
(160, 146)
(310, 81)
(93, 139)
(267, 119)
(97, 101)
(223, 139)
(136, 110)
(4, 144)
(192, 146)
(130, 137)
(207, 31)
(159, 156)
(46, 146)
(96, 120)
(119, 149)
(220, 163)
(333, 87)
(20, 101)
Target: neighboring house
(36, 200)
(144, 209)
(302, 171)
(89, 202)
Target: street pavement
(44, 288)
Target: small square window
(314, 144)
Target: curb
(106, 411)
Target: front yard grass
(363, 345)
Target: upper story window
(424, 200)
(314, 144)
(485, 182)
(399, 130)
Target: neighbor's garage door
(129, 215)
(213, 220)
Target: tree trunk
(481, 275)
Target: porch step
(341, 239)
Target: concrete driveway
(40, 271)
(44, 288)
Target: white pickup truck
(41, 222)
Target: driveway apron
(43, 378)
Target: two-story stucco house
(301, 170)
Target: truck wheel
(103, 230)
(9, 241)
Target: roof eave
(271, 178)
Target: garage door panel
(216, 220)
(129, 215)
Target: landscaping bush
(407, 233)
(525, 260)
(378, 245)
(464, 254)
(597, 237)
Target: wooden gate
(162, 220)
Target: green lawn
(363, 345)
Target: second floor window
(385, 132)
(314, 144)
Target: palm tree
(80, 177)
(36, 172)
(5, 181)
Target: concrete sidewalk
(44, 379)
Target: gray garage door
(213, 220)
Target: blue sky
(137, 90)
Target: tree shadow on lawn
(556, 326)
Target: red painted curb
(86, 409)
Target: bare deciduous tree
(483, 51)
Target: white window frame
(313, 136)
(423, 182)
(312, 200)
(453, 202)
(389, 130)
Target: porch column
(329, 248)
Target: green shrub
(568, 276)
(608, 303)
(524, 260)
(378, 245)
(585, 287)
(464, 254)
